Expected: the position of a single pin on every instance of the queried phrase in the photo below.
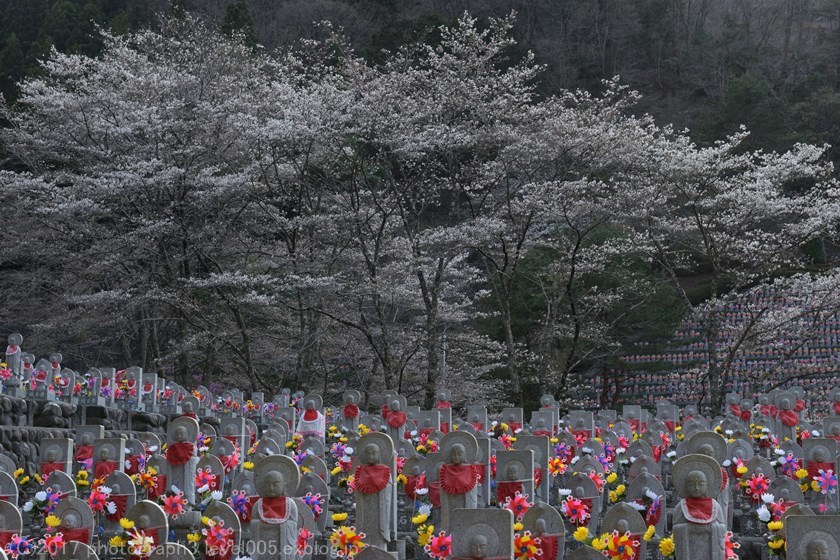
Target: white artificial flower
(727, 463)
(763, 513)
(41, 496)
(651, 494)
(637, 506)
(768, 498)
(780, 452)
(111, 507)
(671, 454)
(621, 450)
(348, 450)
(127, 464)
(586, 450)
(565, 492)
(28, 506)
(175, 489)
(783, 460)
(202, 489)
(815, 433)
(575, 460)
(421, 491)
(413, 433)
(153, 448)
(425, 509)
(216, 495)
(729, 432)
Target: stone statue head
(179, 434)
(309, 404)
(458, 454)
(785, 404)
(820, 454)
(371, 455)
(187, 406)
(396, 405)
(512, 471)
(105, 453)
(706, 449)
(622, 526)
(86, 439)
(696, 484)
(546, 400)
(272, 485)
(478, 547)
(143, 521)
(817, 550)
(52, 455)
(349, 398)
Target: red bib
(310, 415)
(507, 490)
(351, 411)
(179, 453)
(396, 419)
(789, 418)
(371, 479)
(274, 508)
(699, 508)
(458, 479)
(84, 452)
(104, 468)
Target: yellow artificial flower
(343, 439)
(37, 478)
(401, 479)
(335, 471)
(126, 523)
(420, 518)
(742, 470)
(52, 521)
(339, 517)
(18, 473)
(620, 489)
(289, 444)
(248, 465)
(554, 440)
(612, 477)
(776, 544)
(425, 534)
(600, 544)
(651, 531)
(24, 480)
(801, 473)
(504, 427)
(815, 486)
(803, 487)
(117, 541)
(193, 537)
(581, 534)
(206, 520)
(666, 546)
(613, 497)
(305, 470)
(517, 527)
(775, 525)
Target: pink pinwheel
(217, 538)
(18, 546)
(756, 486)
(52, 543)
(519, 505)
(174, 505)
(303, 541)
(439, 547)
(204, 477)
(827, 481)
(314, 502)
(239, 502)
(98, 500)
(575, 510)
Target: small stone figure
(274, 518)
(699, 522)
